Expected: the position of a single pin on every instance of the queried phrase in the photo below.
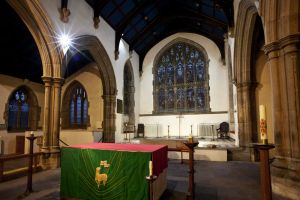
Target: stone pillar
(131, 104)
(246, 110)
(46, 126)
(285, 78)
(230, 83)
(109, 118)
(57, 82)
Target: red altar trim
(159, 152)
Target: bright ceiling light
(65, 39)
(65, 42)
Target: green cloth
(125, 175)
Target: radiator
(207, 130)
(152, 130)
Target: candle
(150, 168)
(190, 138)
(262, 123)
(31, 134)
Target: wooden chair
(141, 131)
(222, 131)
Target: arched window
(75, 107)
(181, 80)
(18, 111)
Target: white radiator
(152, 130)
(207, 130)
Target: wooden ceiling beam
(150, 26)
(64, 11)
(119, 30)
(203, 17)
(167, 20)
(124, 23)
(97, 6)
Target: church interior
(131, 88)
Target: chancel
(140, 99)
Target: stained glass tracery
(18, 111)
(181, 80)
(78, 107)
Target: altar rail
(20, 167)
(207, 130)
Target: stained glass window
(78, 107)
(18, 111)
(181, 80)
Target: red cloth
(159, 152)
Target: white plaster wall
(81, 23)
(7, 85)
(185, 123)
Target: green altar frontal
(88, 173)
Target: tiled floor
(213, 181)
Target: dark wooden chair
(223, 130)
(141, 130)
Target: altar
(112, 171)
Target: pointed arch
(244, 70)
(186, 88)
(41, 28)
(75, 112)
(22, 111)
(106, 72)
(128, 92)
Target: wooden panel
(20, 144)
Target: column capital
(47, 80)
(58, 81)
(246, 85)
(282, 44)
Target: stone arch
(34, 108)
(128, 92)
(180, 39)
(106, 72)
(243, 71)
(42, 30)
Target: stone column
(230, 83)
(57, 82)
(109, 118)
(285, 78)
(46, 126)
(246, 108)
(131, 103)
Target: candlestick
(263, 124)
(190, 138)
(150, 168)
